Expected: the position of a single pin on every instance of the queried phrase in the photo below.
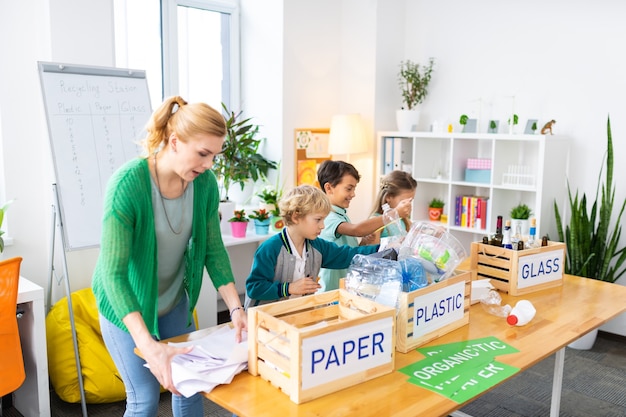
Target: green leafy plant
(521, 211)
(592, 251)
(413, 81)
(3, 210)
(240, 159)
(240, 216)
(515, 119)
(436, 203)
(464, 119)
(259, 215)
(534, 127)
(492, 124)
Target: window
(194, 54)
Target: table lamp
(347, 135)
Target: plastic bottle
(393, 222)
(522, 313)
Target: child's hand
(404, 208)
(368, 239)
(304, 286)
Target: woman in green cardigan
(160, 229)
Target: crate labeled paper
(315, 345)
(519, 272)
(433, 311)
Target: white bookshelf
(531, 169)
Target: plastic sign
(439, 308)
(540, 268)
(336, 355)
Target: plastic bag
(375, 278)
(438, 251)
(413, 275)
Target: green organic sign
(460, 371)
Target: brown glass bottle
(497, 238)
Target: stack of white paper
(215, 359)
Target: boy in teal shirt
(338, 180)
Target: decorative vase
(276, 223)
(434, 213)
(238, 229)
(407, 120)
(261, 227)
(524, 226)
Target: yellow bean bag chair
(101, 380)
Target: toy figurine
(547, 127)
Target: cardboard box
(314, 345)
(478, 175)
(433, 311)
(519, 272)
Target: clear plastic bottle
(393, 222)
(522, 313)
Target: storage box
(433, 311)
(519, 272)
(478, 163)
(314, 345)
(478, 175)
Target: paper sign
(461, 370)
(437, 309)
(335, 355)
(540, 268)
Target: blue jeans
(143, 390)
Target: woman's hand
(159, 357)
(304, 286)
(239, 318)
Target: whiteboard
(96, 118)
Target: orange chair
(11, 360)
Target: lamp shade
(347, 135)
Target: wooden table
(563, 314)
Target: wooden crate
(519, 272)
(314, 345)
(433, 311)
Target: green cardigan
(125, 278)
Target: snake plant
(592, 247)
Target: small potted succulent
(435, 209)
(239, 223)
(261, 219)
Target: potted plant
(3, 210)
(261, 219)
(592, 238)
(239, 223)
(493, 126)
(435, 208)
(513, 123)
(413, 81)
(240, 160)
(520, 214)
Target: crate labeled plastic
(433, 311)
(315, 345)
(519, 272)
